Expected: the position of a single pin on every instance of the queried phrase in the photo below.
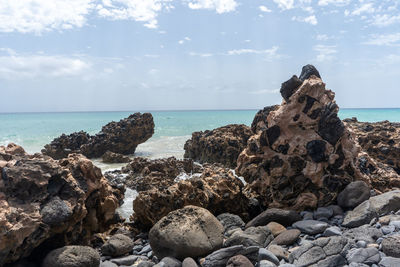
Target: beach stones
(276, 228)
(354, 194)
(391, 246)
(259, 236)
(220, 257)
(72, 256)
(239, 261)
(287, 237)
(311, 227)
(284, 217)
(188, 232)
(117, 245)
(230, 221)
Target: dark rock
(368, 256)
(316, 150)
(55, 212)
(239, 261)
(219, 258)
(311, 227)
(330, 127)
(128, 260)
(323, 212)
(307, 71)
(253, 236)
(72, 256)
(364, 233)
(391, 246)
(353, 195)
(389, 262)
(111, 157)
(189, 262)
(146, 264)
(284, 217)
(264, 254)
(289, 87)
(230, 221)
(287, 237)
(332, 231)
(117, 245)
(259, 122)
(171, 262)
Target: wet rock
(219, 258)
(111, 157)
(311, 227)
(230, 221)
(239, 261)
(222, 145)
(284, 217)
(367, 256)
(259, 236)
(287, 237)
(117, 245)
(391, 246)
(73, 256)
(353, 195)
(188, 232)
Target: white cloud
(265, 9)
(14, 65)
(201, 54)
(285, 4)
(325, 52)
(264, 91)
(310, 19)
(384, 39)
(365, 8)
(220, 6)
(323, 37)
(385, 20)
(38, 16)
(235, 52)
(334, 2)
(184, 40)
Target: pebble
(311, 227)
(331, 231)
(388, 229)
(361, 244)
(265, 263)
(323, 212)
(264, 254)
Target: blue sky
(73, 55)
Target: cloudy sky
(73, 55)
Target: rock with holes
(188, 232)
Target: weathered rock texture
(111, 157)
(304, 155)
(215, 188)
(119, 137)
(49, 203)
(222, 145)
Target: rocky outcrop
(119, 137)
(47, 203)
(303, 155)
(381, 140)
(217, 189)
(72, 256)
(111, 157)
(222, 145)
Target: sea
(172, 128)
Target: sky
(117, 55)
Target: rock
(279, 252)
(119, 137)
(265, 263)
(287, 237)
(72, 256)
(391, 246)
(311, 227)
(127, 260)
(111, 157)
(276, 228)
(389, 262)
(284, 217)
(230, 221)
(146, 264)
(307, 71)
(253, 236)
(264, 254)
(217, 189)
(306, 156)
(367, 256)
(323, 212)
(332, 231)
(239, 261)
(364, 233)
(171, 262)
(222, 145)
(372, 208)
(117, 245)
(220, 257)
(47, 203)
(188, 232)
(353, 195)
(189, 262)
(325, 251)
(259, 122)
(108, 264)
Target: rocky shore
(307, 190)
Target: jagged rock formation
(381, 140)
(111, 157)
(215, 188)
(303, 155)
(50, 203)
(222, 145)
(119, 137)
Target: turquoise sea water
(173, 128)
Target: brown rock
(279, 252)
(222, 145)
(276, 228)
(306, 155)
(239, 261)
(287, 237)
(111, 157)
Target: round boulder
(117, 245)
(391, 246)
(239, 261)
(72, 256)
(354, 194)
(188, 232)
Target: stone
(72, 256)
(259, 236)
(146, 264)
(389, 262)
(222, 145)
(307, 71)
(289, 87)
(391, 246)
(284, 217)
(230, 221)
(280, 252)
(127, 260)
(332, 231)
(266, 263)
(188, 232)
(219, 258)
(171, 262)
(276, 228)
(189, 262)
(353, 195)
(119, 137)
(111, 157)
(108, 264)
(287, 237)
(367, 256)
(264, 254)
(117, 245)
(323, 212)
(311, 227)
(361, 215)
(365, 233)
(239, 261)
(259, 122)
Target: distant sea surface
(172, 128)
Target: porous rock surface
(119, 137)
(305, 155)
(188, 232)
(111, 157)
(50, 203)
(222, 145)
(72, 256)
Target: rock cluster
(302, 155)
(119, 137)
(47, 203)
(222, 145)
